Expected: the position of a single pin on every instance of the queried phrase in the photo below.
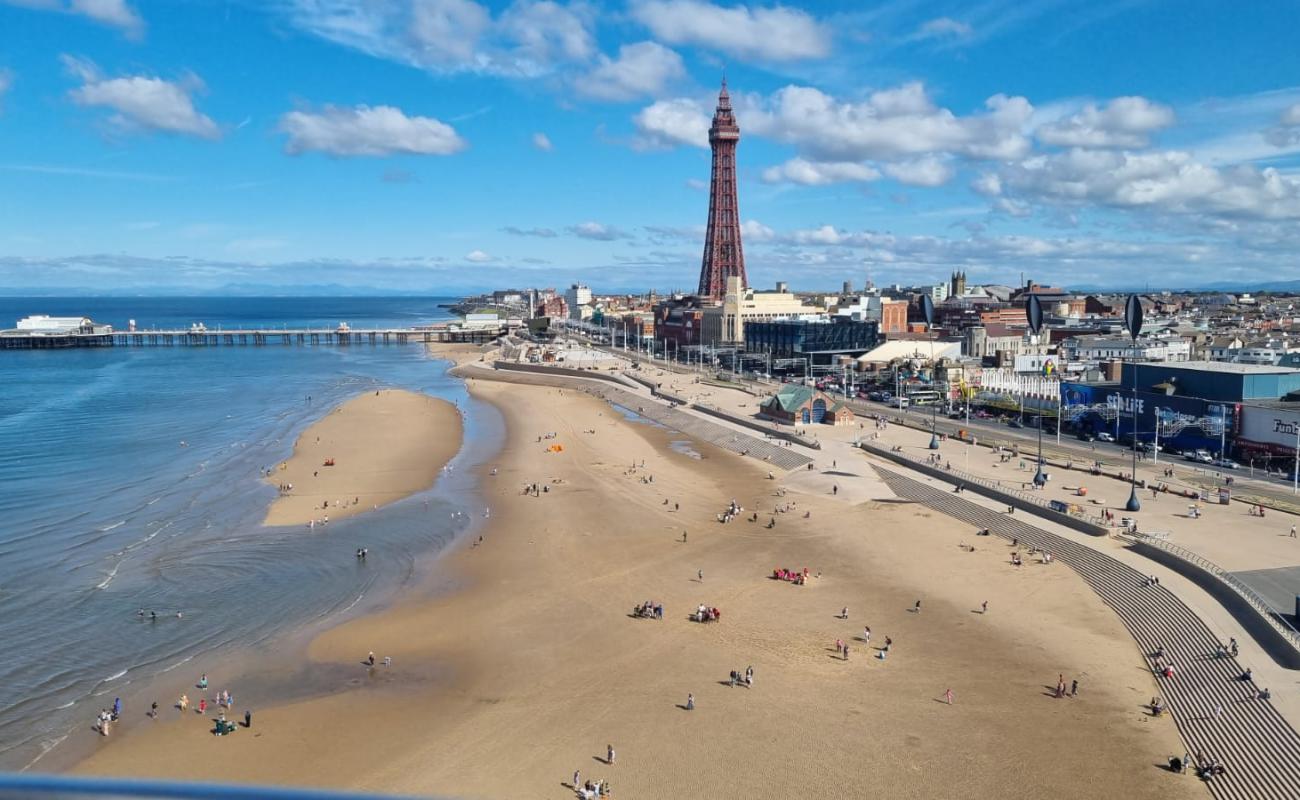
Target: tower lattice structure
(724, 256)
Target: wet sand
(384, 446)
(524, 673)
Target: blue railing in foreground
(21, 787)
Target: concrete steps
(1259, 748)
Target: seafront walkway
(1259, 748)
(1257, 550)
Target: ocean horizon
(134, 484)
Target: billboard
(1184, 421)
(1272, 429)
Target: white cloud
(542, 142)
(597, 231)
(478, 257)
(761, 34)
(544, 31)
(529, 39)
(540, 233)
(367, 131)
(1160, 181)
(668, 123)
(1287, 131)
(925, 171)
(142, 102)
(890, 124)
(943, 28)
(643, 68)
(447, 32)
(114, 13)
(987, 184)
(1123, 122)
(754, 231)
(819, 173)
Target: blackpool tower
(723, 255)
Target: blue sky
(450, 144)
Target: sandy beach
(532, 663)
(373, 450)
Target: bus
(923, 397)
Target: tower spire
(724, 256)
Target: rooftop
(1228, 367)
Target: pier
(339, 337)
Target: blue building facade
(820, 342)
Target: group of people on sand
(104, 721)
(706, 614)
(746, 677)
(649, 610)
(223, 702)
(733, 509)
(797, 577)
(589, 789)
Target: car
(1148, 447)
(1015, 423)
(1086, 436)
(1226, 463)
(1202, 456)
(1105, 437)
(956, 415)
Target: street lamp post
(1034, 314)
(927, 308)
(1155, 450)
(1133, 320)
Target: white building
(1095, 349)
(725, 323)
(45, 325)
(578, 299)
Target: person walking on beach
(917, 608)
(683, 537)
(984, 607)
(844, 613)
(700, 575)
(370, 659)
(1074, 687)
(1292, 531)
(153, 710)
(690, 702)
(947, 695)
(866, 634)
(609, 754)
(577, 776)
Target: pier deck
(25, 340)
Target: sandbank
(524, 673)
(383, 445)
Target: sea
(130, 481)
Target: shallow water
(131, 481)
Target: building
(798, 404)
(889, 315)
(918, 351)
(724, 257)
(554, 307)
(994, 341)
(45, 325)
(818, 341)
(725, 323)
(578, 299)
(957, 284)
(1095, 349)
(680, 320)
(1214, 380)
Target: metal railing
(1232, 581)
(989, 483)
(15, 786)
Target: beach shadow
(604, 761)
(683, 707)
(976, 611)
